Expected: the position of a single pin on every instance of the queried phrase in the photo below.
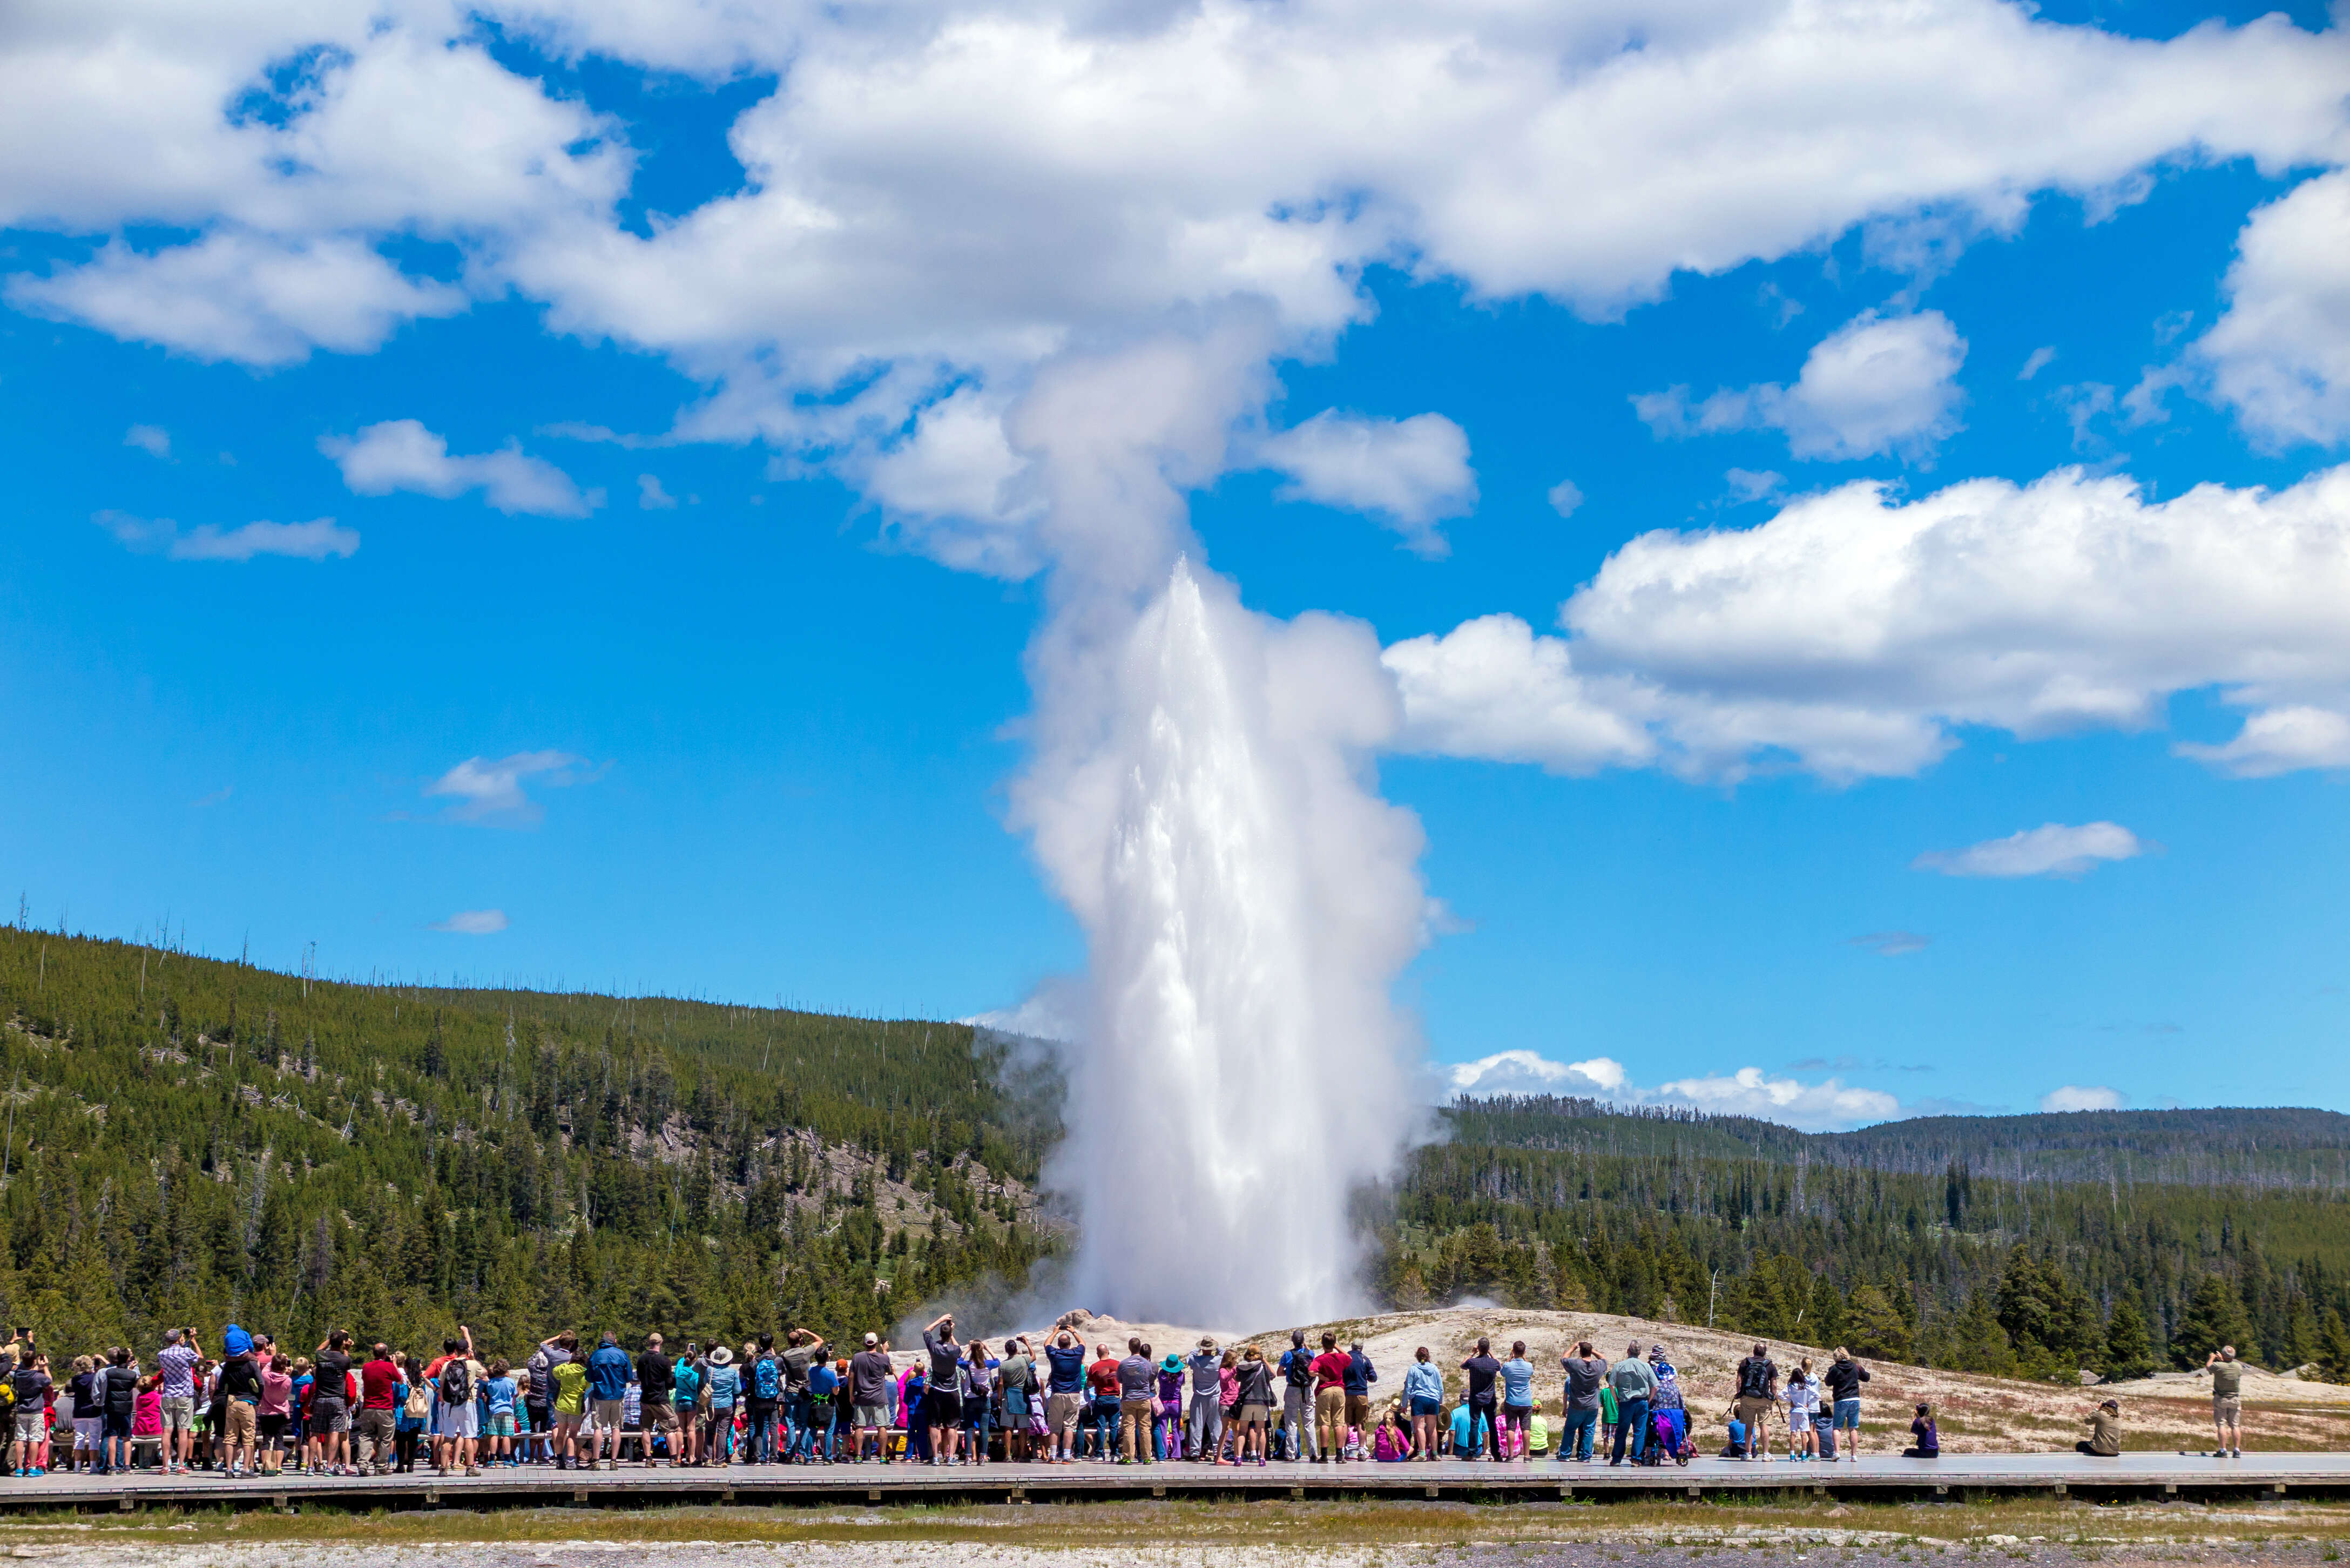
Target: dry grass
(1303, 1526)
(1976, 1414)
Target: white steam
(1201, 798)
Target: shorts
(1422, 1405)
(568, 1420)
(660, 1415)
(871, 1416)
(178, 1412)
(1358, 1410)
(1799, 1420)
(1847, 1418)
(1751, 1411)
(1256, 1415)
(86, 1429)
(941, 1408)
(240, 1423)
(2227, 1407)
(341, 1419)
(607, 1414)
(1062, 1410)
(32, 1426)
(459, 1421)
(116, 1425)
(325, 1413)
(502, 1424)
(271, 1426)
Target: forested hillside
(2036, 1244)
(190, 1140)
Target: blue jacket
(1360, 1374)
(1421, 1380)
(609, 1371)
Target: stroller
(1667, 1439)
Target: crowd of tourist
(258, 1408)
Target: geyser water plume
(1202, 797)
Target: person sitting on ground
(2227, 1401)
(1927, 1442)
(1736, 1447)
(2105, 1431)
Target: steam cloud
(1202, 797)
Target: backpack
(1299, 1369)
(456, 1382)
(420, 1402)
(767, 1382)
(1753, 1379)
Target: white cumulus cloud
(2073, 1098)
(1877, 384)
(1408, 473)
(1851, 633)
(2052, 850)
(2281, 354)
(493, 793)
(313, 541)
(401, 454)
(237, 296)
(1748, 1092)
(474, 922)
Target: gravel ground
(1754, 1551)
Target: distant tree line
(1683, 1218)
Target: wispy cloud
(474, 922)
(2052, 850)
(1818, 1107)
(651, 497)
(217, 797)
(401, 454)
(2078, 1097)
(491, 793)
(312, 541)
(153, 439)
(1892, 944)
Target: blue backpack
(766, 1383)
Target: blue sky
(681, 643)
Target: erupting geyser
(1201, 798)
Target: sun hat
(1173, 1363)
(721, 1356)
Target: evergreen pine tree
(1873, 1328)
(2214, 1317)
(2129, 1352)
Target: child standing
(1803, 1399)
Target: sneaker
(472, 1471)
(37, 1472)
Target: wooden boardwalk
(1954, 1476)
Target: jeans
(1632, 1421)
(1101, 1419)
(760, 1435)
(1576, 1436)
(815, 1431)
